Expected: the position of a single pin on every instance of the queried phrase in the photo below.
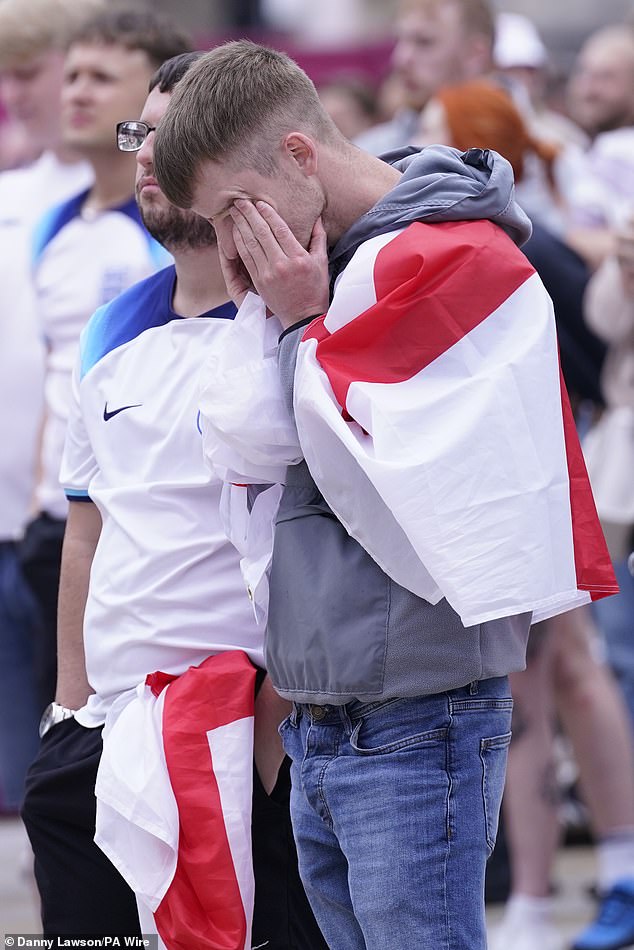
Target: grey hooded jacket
(339, 628)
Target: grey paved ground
(18, 900)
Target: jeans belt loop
(344, 712)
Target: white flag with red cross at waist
(174, 791)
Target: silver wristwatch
(53, 714)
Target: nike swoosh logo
(115, 412)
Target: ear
(302, 151)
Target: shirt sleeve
(79, 465)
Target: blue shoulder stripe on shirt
(146, 305)
(51, 223)
(59, 216)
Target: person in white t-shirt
(85, 252)
(33, 34)
(146, 555)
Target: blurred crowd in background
(455, 72)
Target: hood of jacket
(439, 183)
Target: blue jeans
(395, 809)
(614, 616)
(19, 711)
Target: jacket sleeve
(287, 358)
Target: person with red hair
(562, 669)
(480, 114)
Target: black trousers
(40, 555)
(83, 893)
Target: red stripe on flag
(203, 905)
(434, 283)
(592, 560)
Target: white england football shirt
(82, 260)
(165, 586)
(25, 194)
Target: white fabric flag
(174, 790)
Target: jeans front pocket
(493, 753)
(291, 736)
(398, 724)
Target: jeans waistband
(334, 715)
(330, 714)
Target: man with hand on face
(149, 580)
(414, 539)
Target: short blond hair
(31, 27)
(235, 103)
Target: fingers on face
(244, 252)
(246, 215)
(252, 234)
(279, 228)
(269, 229)
(224, 234)
(318, 239)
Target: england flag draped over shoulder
(432, 415)
(174, 791)
(430, 409)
